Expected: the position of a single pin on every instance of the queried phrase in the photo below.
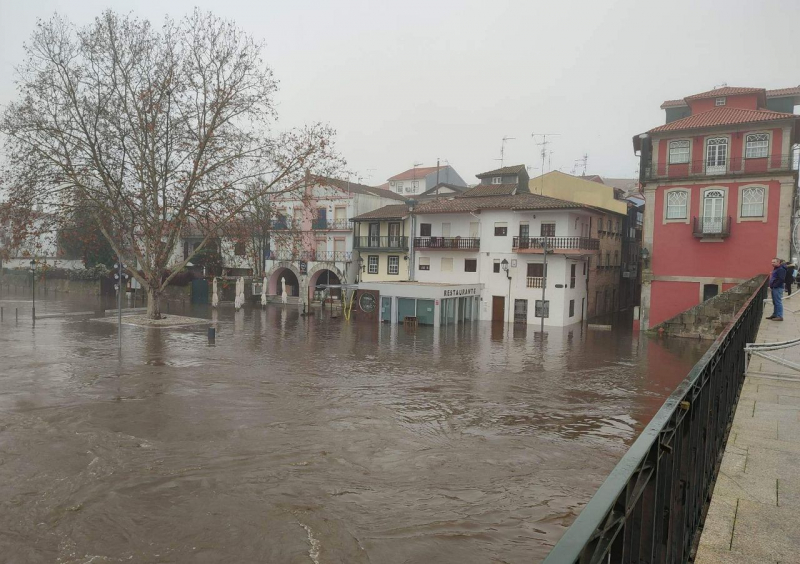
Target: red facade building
(719, 180)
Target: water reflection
(374, 443)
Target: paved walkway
(754, 516)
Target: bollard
(212, 335)
(16, 314)
(1, 314)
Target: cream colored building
(381, 238)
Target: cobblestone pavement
(754, 517)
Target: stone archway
(318, 271)
(292, 275)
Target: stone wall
(707, 320)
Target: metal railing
(389, 242)
(738, 166)
(556, 243)
(284, 223)
(712, 227)
(331, 224)
(308, 256)
(463, 243)
(651, 506)
(535, 282)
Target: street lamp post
(504, 264)
(120, 280)
(544, 284)
(33, 288)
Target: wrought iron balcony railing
(388, 243)
(309, 256)
(331, 224)
(458, 243)
(556, 243)
(738, 166)
(283, 223)
(712, 227)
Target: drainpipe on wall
(411, 272)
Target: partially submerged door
(498, 308)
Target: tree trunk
(153, 303)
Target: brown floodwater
(310, 439)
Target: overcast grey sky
(408, 81)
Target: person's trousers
(777, 302)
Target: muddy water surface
(310, 439)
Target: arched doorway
(275, 285)
(323, 277)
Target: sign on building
(303, 267)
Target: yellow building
(579, 190)
(382, 239)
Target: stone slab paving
(754, 517)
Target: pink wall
(668, 299)
(742, 101)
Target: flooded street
(310, 439)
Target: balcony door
(713, 210)
(394, 235)
(374, 234)
(716, 155)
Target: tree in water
(152, 130)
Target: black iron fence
(739, 166)
(709, 227)
(390, 242)
(463, 243)
(556, 243)
(651, 506)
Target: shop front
(426, 303)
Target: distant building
(719, 182)
(417, 180)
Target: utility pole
(544, 285)
(437, 173)
(414, 181)
(120, 276)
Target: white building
(415, 181)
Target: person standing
(791, 276)
(777, 279)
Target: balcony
(331, 225)
(383, 243)
(711, 227)
(309, 256)
(535, 282)
(556, 244)
(714, 168)
(283, 224)
(450, 243)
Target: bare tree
(158, 128)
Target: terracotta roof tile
(724, 91)
(508, 202)
(482, 190)
(515, 169)
(393, 211)
(722, 116)
(356, 188)
(418, 173)
(673, 104)
(780, 92)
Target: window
(716, 155)
(474, 229)
(424, 263)
(415, 184)
(572, 273)
(500, 229)
(572, 308)
(445, 229)
(524, 231)
(678, 152)
(394, 264)
(535, 270)
(424, 229)
(239, 249)
(470, 265)
(497, 180)
(757, 146)
(719, 101)
(399, 186)
(676, 204)
(616, 258)
(340, 214)
(548, 230)
(447, 265)
(599, 225)
(617, 227)
(608, 258)
(496, 266)
(753, 202)
(520, 311)
(372, 264)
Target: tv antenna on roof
(583, 161)
(503, 150)
(544, 143)
(370, 175)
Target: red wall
(742, 101)
(668, 299)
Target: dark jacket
(778, 277)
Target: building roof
(392, 211)
(627, 185)
(507, 202)
(416, 173)
(434, 191)
(482, 190)
(355, 188)
(515, 169)
(673, 104)
(722, 115)
(776, 93)
(724, 91)
(592, 178)
(781, 92)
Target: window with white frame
(415, 184)
(753, 202)
(720, 101)
(497, 180)
(679, 152)
(447, 265)
(757, 146)
(676, 204)
(372, 264)
(424, 263)
(394, 264)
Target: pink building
(719, 180)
